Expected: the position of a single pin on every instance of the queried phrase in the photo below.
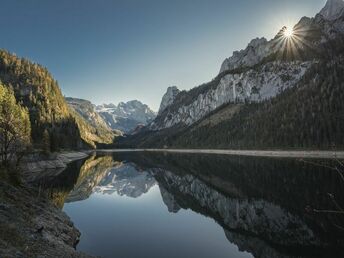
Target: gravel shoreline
(37, 167)
(255, 153)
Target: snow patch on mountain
(126, 116)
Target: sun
(288, 32)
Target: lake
(196, 205)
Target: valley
(248, 164)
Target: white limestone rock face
(333, 10)
(255, 52)
(168, 98)
(255, 85)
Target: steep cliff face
(168, 98)
(255, 84)
(333, 9)
(256, 50)
(261, 71)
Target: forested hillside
(92, 127)
(52, 121)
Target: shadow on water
(259, 202)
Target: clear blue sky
(118, 50)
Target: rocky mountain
(87, 110)
(126, 116)
(257, 84)
(97, 128)
(333, 10)
(261, 71)
(262, 94)
(168, 98)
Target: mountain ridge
(126, 117)
(248, 88)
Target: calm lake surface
(195, 205)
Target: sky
(108, 51)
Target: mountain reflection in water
(259, 202)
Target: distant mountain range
(122, 119)
(126, 117)
(284, 92)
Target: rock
(333, 10)
(87, 110)
(255, 85)
(168, 98)
(36, 166)
(34, 227)
(256, 50)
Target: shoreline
(252, 153)
(31, 225)
(39, 167)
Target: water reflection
(259, 202)
(91, 174)
(126, 180)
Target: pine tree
(15, 130)
(46, 142)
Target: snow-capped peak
(333, 9)
(126, 116)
